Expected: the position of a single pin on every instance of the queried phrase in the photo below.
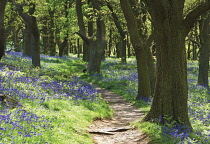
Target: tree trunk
(129, 48)
(171, 92)
(110, 44)
(16, 40)
(188, 50)
(52, 44)
(32, 27)
(62, 46)
(2, 38)
(96, 47)
(123, 52)
(36, 43)
(45, 37)
(194, 51)
(140, 51)
(151, 69)
(82, 29)
(119, 48)
(204, 52)
(100, 43)
(27, 41)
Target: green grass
(57, 119)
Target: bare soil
(118, 130)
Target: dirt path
(117, 130)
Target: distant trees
(121, 31)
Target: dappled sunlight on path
(117, 130)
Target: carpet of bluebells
(29, 86)
(19, 124)
(124, 77)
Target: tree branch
(83, 37)
(194, 14)
(150, 39)
(116, 20)
(196, 42)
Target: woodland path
(117, 130)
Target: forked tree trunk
(96, 47)
(33, 28)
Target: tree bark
(171, 92)
(204, 51)
(2, 38)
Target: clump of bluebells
(36, 88)
(18, 124)
(21, 123)
(172, 131)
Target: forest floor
(118, 130)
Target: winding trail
(117, 130)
